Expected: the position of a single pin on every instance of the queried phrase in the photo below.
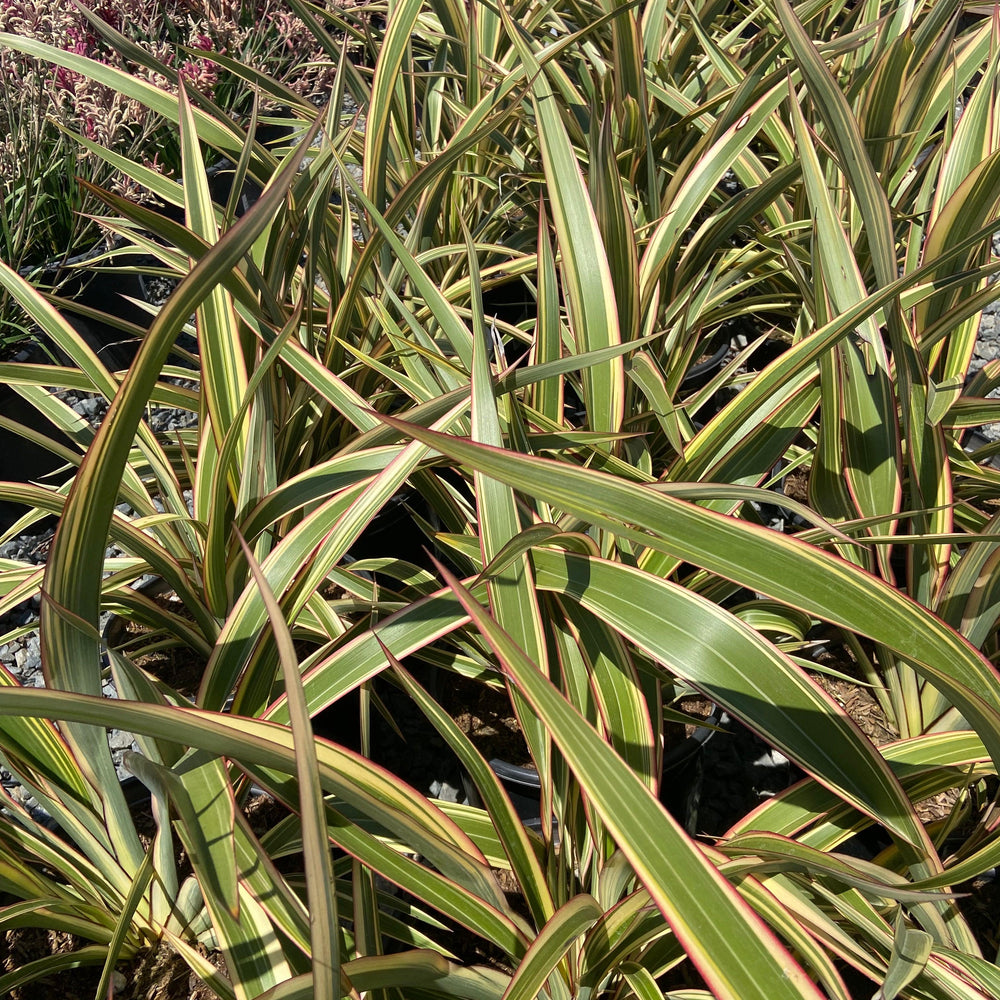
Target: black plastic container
(680, 786)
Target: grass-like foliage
(46, 216)
(488, 289)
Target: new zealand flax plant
(648, 177)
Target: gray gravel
(987, 348)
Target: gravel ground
(988, 348)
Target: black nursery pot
(102, 289)
(21, 460)
(680, 785)
(523, 787)
(701, 372)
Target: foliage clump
(466, 316)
